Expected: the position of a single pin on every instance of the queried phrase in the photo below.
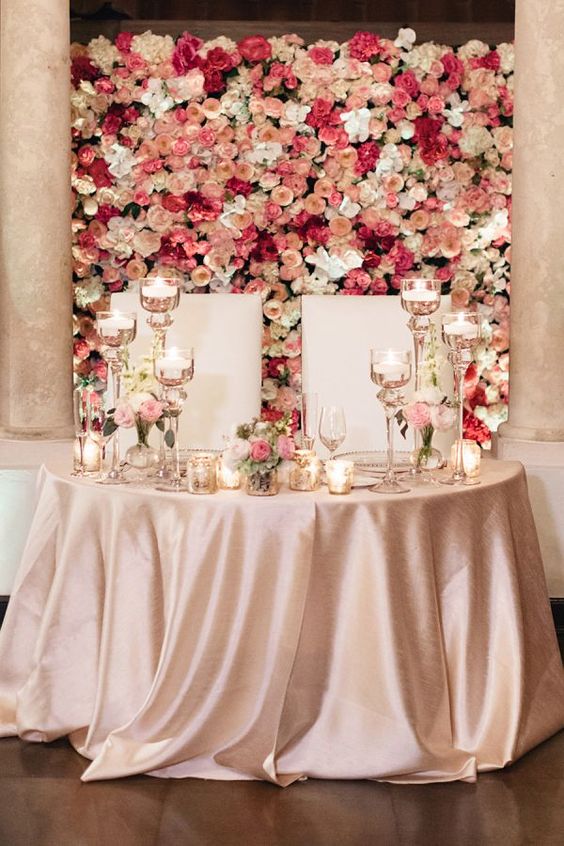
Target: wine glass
(99, 430)
(80, 407)
(309, 419)
(390, 370)
(332, 427)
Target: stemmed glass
(97, 419)
(420, 297)
(116, 331)
(391, 371)
(80, 405)
(159, 296)
(332, 427)
(309, 419)
(174, 369)
(461, 334)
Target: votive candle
(471, 457)
(201, 473)
(227, 478)
(91, 455)
(340, 475)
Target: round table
(367, 636)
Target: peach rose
(201, 276)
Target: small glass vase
(426, 457)
(262, 483)
(141, 456)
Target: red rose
(255, 48)
(111, 124)
(239, 186)
(185, 56)
(452, 64)
(100, 173)
(86, 155)
(214, 83)
(407, 82)
(123, 41)
(106, 212)
(82, 68)
(490, 61)
(218, 59)
(367, 157)
(475, 429)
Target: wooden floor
(45, 804)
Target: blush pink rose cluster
(141, 410)
(260, 445)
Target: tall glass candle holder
(391, 371)
(174, 369)
(160, 295)
(116, 331)
(81, 413)
(461, 334)
(309, 402)
(420, 297)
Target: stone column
(35, 232)
(534, 432)
(536, 405)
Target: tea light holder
(227, 478)
(471, 459)
(340, 476)
(305, 473)
(201, 473)
(91, 456)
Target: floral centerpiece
(141, 409)
(430, 410)
(256, 450)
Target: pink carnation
(124, 416)
(150, 411)
(260, 450)
(417, 414)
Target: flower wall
(282, 168)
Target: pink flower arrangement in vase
(257, 449)
(142, 411)
(429, 410)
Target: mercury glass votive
(227, 478)
(340, 475)
(471, 459)
(91, 456)
(201, 473)
(305, 473)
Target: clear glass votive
(201, 473)
(305, 473)
(340, 475)
(91, 456)
(227, 478)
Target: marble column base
(509, 445)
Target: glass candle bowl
(158, 294)
(174, 367)
(420, 297)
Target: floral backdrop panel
(283, 168)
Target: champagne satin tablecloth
(397, 638)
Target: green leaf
(134, 209)
(169, 438)
(160, 424)
(109, 428)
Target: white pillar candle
(420, 296)
(339, 476)
(115, 323)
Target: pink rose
(260, 450)
(286, 447)
(417, 414)
(124, 416)
(255, 48)
(150, 410)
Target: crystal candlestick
(159, 296)
(391, 371)
(174, 369)
(420, 297)
(461, 334)
(116, 331)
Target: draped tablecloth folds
(402, 639)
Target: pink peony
(150, 411)
(417, 414)
(260, 450)
(124, 416)
(286, 447)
